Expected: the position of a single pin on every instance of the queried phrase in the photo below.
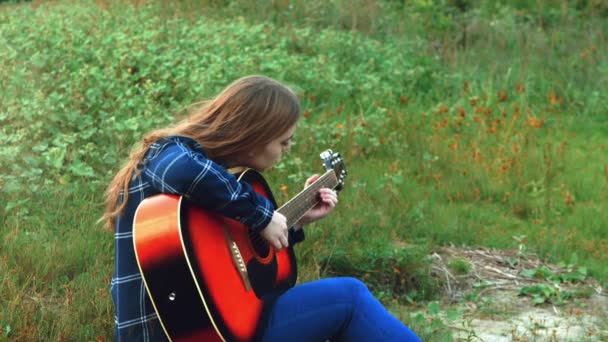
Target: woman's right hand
(276, 232)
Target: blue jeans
(336, 309)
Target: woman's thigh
(340, 309)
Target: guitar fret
(305, 200)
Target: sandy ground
(488, 295)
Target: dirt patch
(515, 296)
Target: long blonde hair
(246, 115)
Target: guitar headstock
(333, 161)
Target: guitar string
(298, 205)
(301, 205)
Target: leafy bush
(397, 274)
(81, 79)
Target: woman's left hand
(328, 199)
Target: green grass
(478, 127)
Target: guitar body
(207, 275)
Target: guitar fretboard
(295, 208)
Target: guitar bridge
(237, 259)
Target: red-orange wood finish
(166, 230)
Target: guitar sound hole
(260, 246)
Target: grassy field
(477, 123)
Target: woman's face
(269, 155)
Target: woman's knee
(354, 287)
(354, 283)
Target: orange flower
(535, 122)
(477, 155)
(502, 95)
(283, 188)
(339, 126)
(569, 200)
(461, 111)
(516, 111)
(440, 124)
(554, 99)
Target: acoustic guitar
(208, 275)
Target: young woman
(250, 123)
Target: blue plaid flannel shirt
(176, 165)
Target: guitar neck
(296, 207)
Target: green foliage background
(461, 122)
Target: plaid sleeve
(177, 169)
